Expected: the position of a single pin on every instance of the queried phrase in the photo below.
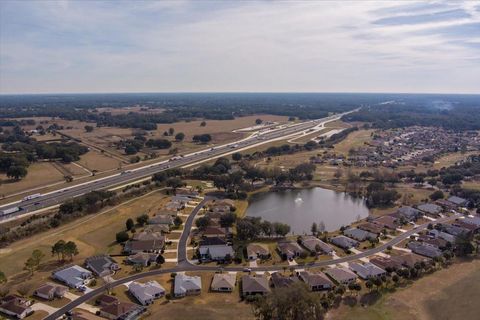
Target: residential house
(408, 213)
(215, 249)
(371, 227)
(161, 228)
(316, 281)
(162, 220)
(447, 205)
(280, 281)
(457, 201)
(257, 251)
(223, 282)
(186, 285)
(187, 193)
(254, 285)
(436, 242)
(50, 291)
(175, 206)
(455, 230)
(386, 263)
(73, 276)
(424, 249)
(16, 306)
(344, 242)
(388, 222)
(215, 232)
(341, 275)
(132, 246)
(289, 249)
(101, 265)
(80, 314)
(409, 260)
(145, 293)
(315, 245)
(121, 311)
(148, 235)
(430, 209)
(142, 258)
(106, 300)
(366, 270)
(468, 224)
(359, 234)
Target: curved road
(185, 265)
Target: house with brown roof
(289, 249)
(278, 280)
(410, 259)
(341, 275)
(121, 310)
(105, 300)
(386, 263)
(223, 282)
(257, 251)
(388, 222)
(16, 306)
(371, 227)
(316, 281)
(253, 285)
(212, 232)
(142, 258)
(50, 291)
(132, 246)
(80, 314)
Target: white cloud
(244, 46)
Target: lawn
(446, 294)
(354, 140)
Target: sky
(239, 46)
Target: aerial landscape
(254, 159)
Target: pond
(300, 208)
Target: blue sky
(324, 46)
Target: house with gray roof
(186, 285)
(344, 242)
(215, 249)
(442, 235)
(366, 270)
(315, 245)
(455, 230)
(430, 209)
(223, 282)
(408, 213)
(457, 201)
(424, 249)
(341, 275)
(359, 234)
(253, 285)
(73, 276)
(316, 281)
(102, 265)
(145, 293)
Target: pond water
(300, 208)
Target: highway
(59, 196)
(185, 265)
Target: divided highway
(58, 197)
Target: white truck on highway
(4, 212)
(32, 196)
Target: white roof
(184, 283)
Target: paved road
(60, 196)
(185, 265)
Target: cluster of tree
(64, 250)
(33, 262)
(90, 201)
(337, 137)
(23, 150)
(202, 138)
(378, 195)
(461, 117)
(158, 143)
(250, 228)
